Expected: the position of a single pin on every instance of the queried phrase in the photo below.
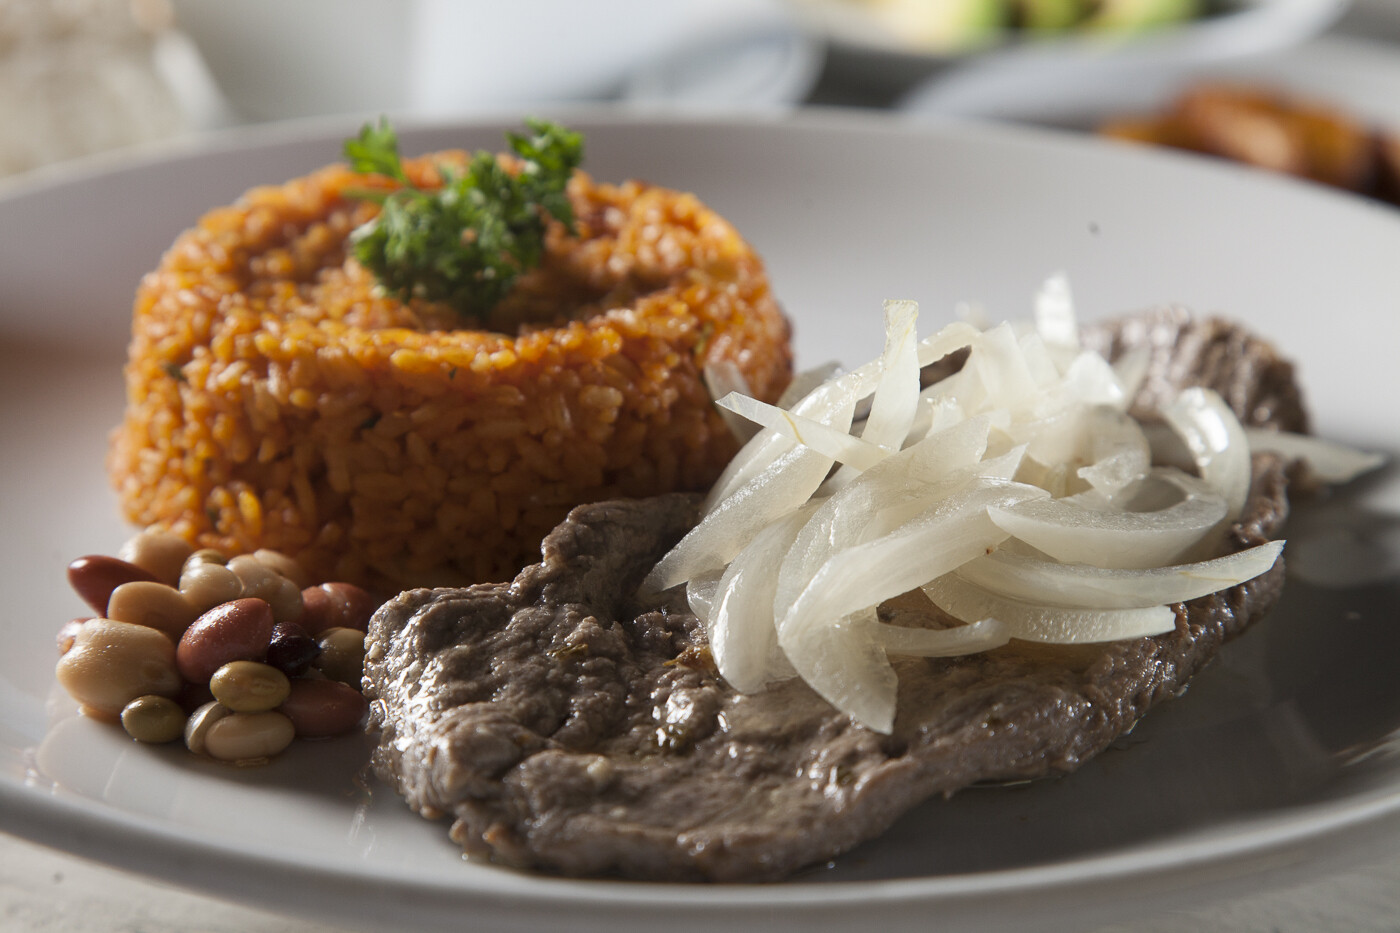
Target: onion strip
(1017, 492)
(1047, 624)
(1032, 579)
(1329, 462)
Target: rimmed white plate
(1275, 764)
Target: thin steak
(565, 728)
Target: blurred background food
(948, 26)
(1269, 129)
(79, 77)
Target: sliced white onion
(1079, 529)
(805, 382)
(858, 578)
(886, 496)
(1131, 368)
(1119, 451)
(844, 662)
(834, 443)
(1048, 624)
(1090, 380)
(975, 637)
(897, 392)
(1017, 492)
(1330, 462)
(1217, 443)
(700, 595)
(742, 638)
(758, 456)
(784, 485)
(1046, 582)
(721, 378)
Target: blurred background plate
(881, 55)
(1359, 75)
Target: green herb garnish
(464, 244)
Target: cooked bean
(248, 737)
(154, 605)
(95, 576)
(342, 655)
(257, 578)
(205, 555)
(207, 584)
(282, 565)
(200, 722)
(153, 719)
(319, 708)
(285, 600)
(291, 650)
(192, 696)
(235, 631)
(69, 633)
(336, 605)
(160, 552)
(249, 686)
(112, 663)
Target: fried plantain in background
(1273, 130)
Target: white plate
(1274, 762)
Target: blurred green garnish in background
(948, 25)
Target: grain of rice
(277, 398)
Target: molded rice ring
(277, 398)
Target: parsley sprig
(465, 243)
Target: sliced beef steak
(563, 727)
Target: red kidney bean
(335, 605)
(95, 576)
(240, 630)
(319, 708)
(292, 650)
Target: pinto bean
(234, 631)
(319, 708)
(336, 605)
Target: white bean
(249, 736)
(154, 605)
(206, 585)
(112, 663)
(200, 722)
(159, 552)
